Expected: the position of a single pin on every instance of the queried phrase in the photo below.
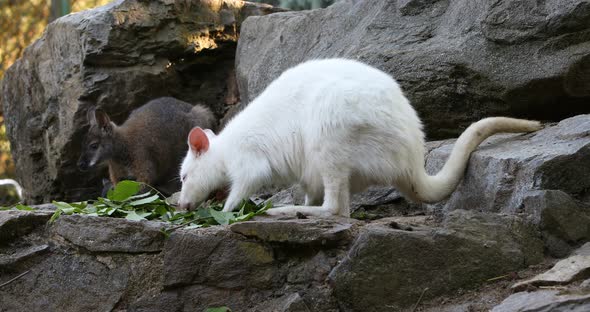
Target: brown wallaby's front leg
(145, 172)
(117, 172)
(169, 188)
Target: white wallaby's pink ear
(210, 134)
(198, 141)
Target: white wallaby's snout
(200, 171)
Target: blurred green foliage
(21, 23)
(299, 4)
(6, 164)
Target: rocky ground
(82, 263)
(510, 238)
(457, 256)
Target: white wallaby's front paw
(281, 211)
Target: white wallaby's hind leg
(336, 198)
(419, 186)
(313, 199)
(337, 193)
(313, 194)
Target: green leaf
(136, 216)
(245, 217)
(55, 215)
(65, 207)
(218, 309)
(108, 203)
(166, 232)
(102, 211)
(62, 205)
(123, 190)
(24, 207)
(90, 209)
(144, 201)
(222, 217)
(110, 193)
(144, 213)
(202, 213)
(124, 202)
(80, 205)
(177, 216)
(268, 205)
(241, 212)
(161, 211)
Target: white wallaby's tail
(430, 189)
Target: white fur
(334, 126)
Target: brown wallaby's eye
(94, 145)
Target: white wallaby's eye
(183, 178)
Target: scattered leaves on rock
(127, 201)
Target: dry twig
(14, 279)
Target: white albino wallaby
(334, 126)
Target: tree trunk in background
(59, 8)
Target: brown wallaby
(149, 146)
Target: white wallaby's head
(201, 172)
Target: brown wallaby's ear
(198, 141)
(102, 119)
(90, 116)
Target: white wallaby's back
(333, 126)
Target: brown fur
(149, 146)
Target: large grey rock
(83, 263)
(116, 57)
(457, 60)
(507, 169)
(15, 223)
(23, 240)
(565, 271)
(217, 257)
(545, 301)
(110, 235)
(219, 266)
(554, 290)
(67, 280)
(390, 268)
(564, 221)
(306, 231)
(12, 259)
(543, 175)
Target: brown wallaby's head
(98, 144)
